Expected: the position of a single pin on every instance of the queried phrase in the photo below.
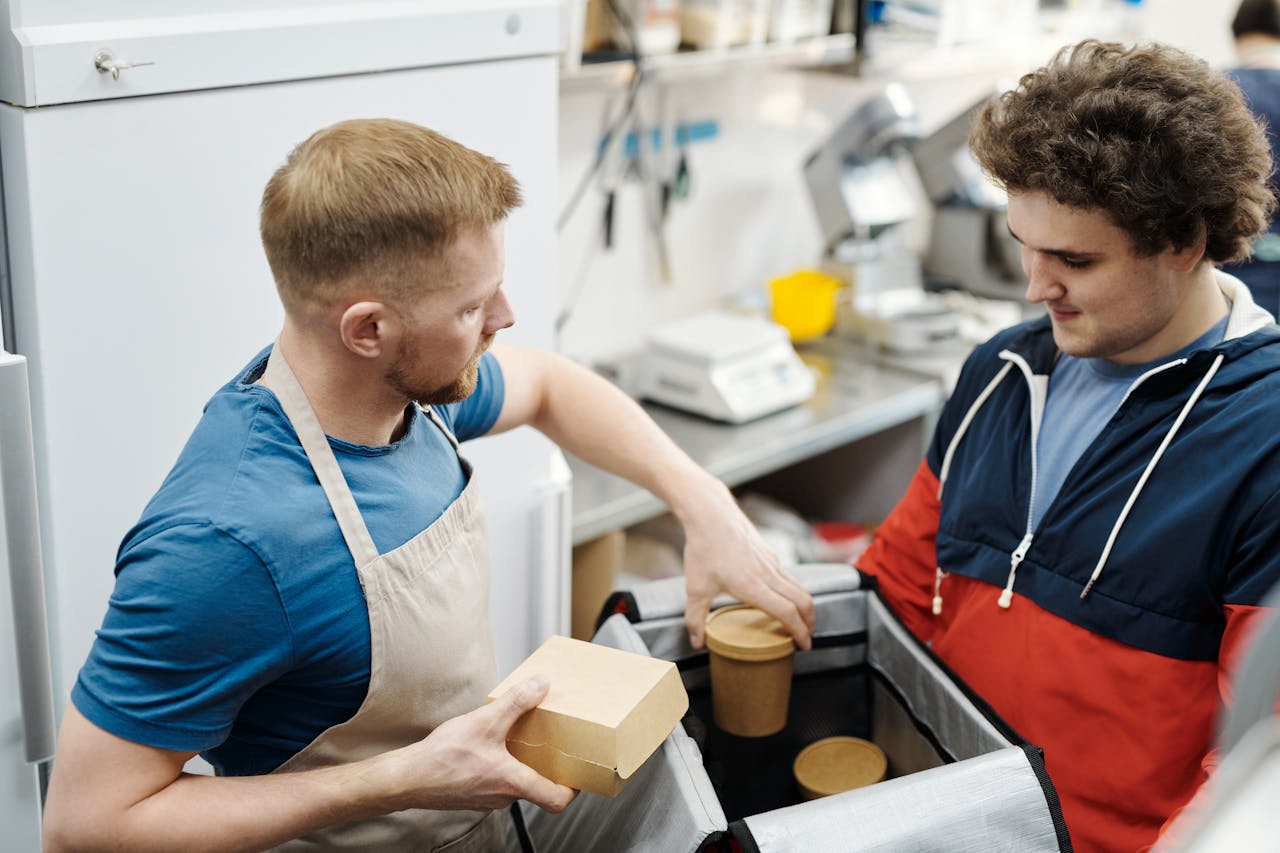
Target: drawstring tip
(1086, 589)
(1006, 598)
(937, 605)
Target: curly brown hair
(1151, 135)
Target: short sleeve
(193, 628)
(476, 415)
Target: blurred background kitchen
(805, 163)
(756, 215)
(751, 115)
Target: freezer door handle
(21, 526)
(106, 63)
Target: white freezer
(55, 48)
(138, 284)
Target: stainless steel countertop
(855, 398)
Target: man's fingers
(520, 699)
(796, 616)
(527, 783)
(541, 791)
(695, 619)
(789, 580)
(794, 591)
(785, 584)
(786, 611)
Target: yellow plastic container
(804, 303)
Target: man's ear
(1186, 258)
(367, 328)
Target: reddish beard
(462, 386)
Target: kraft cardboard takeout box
(605, 714)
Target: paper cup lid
(740, 632)
(836, 764)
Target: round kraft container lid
(836, 764)
(741, 632)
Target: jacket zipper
(1020, 553)
(1015, 560)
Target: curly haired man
(1094, 525)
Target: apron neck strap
(435, 418)
(279, 377)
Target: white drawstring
(946, 466)
(964, 425)
(1146, 474)
(1038, 388)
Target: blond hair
(374, 200)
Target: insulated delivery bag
(959, 779)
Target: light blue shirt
(1084, 394)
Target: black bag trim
(619, 602)
(522, 832)
(718, 842)
(1035, 757)
(741, 833)
(829, 641)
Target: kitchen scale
(727, 367)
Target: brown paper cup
(836, 764)
(750, 699)
(751, 657)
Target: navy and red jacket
(1173, 512)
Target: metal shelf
(690, 64)
(854, 399)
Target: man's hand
(470, 751)
(108, 793)
(724, 553)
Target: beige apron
(431, 647)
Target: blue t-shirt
(237, 626)
(1084, 394)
